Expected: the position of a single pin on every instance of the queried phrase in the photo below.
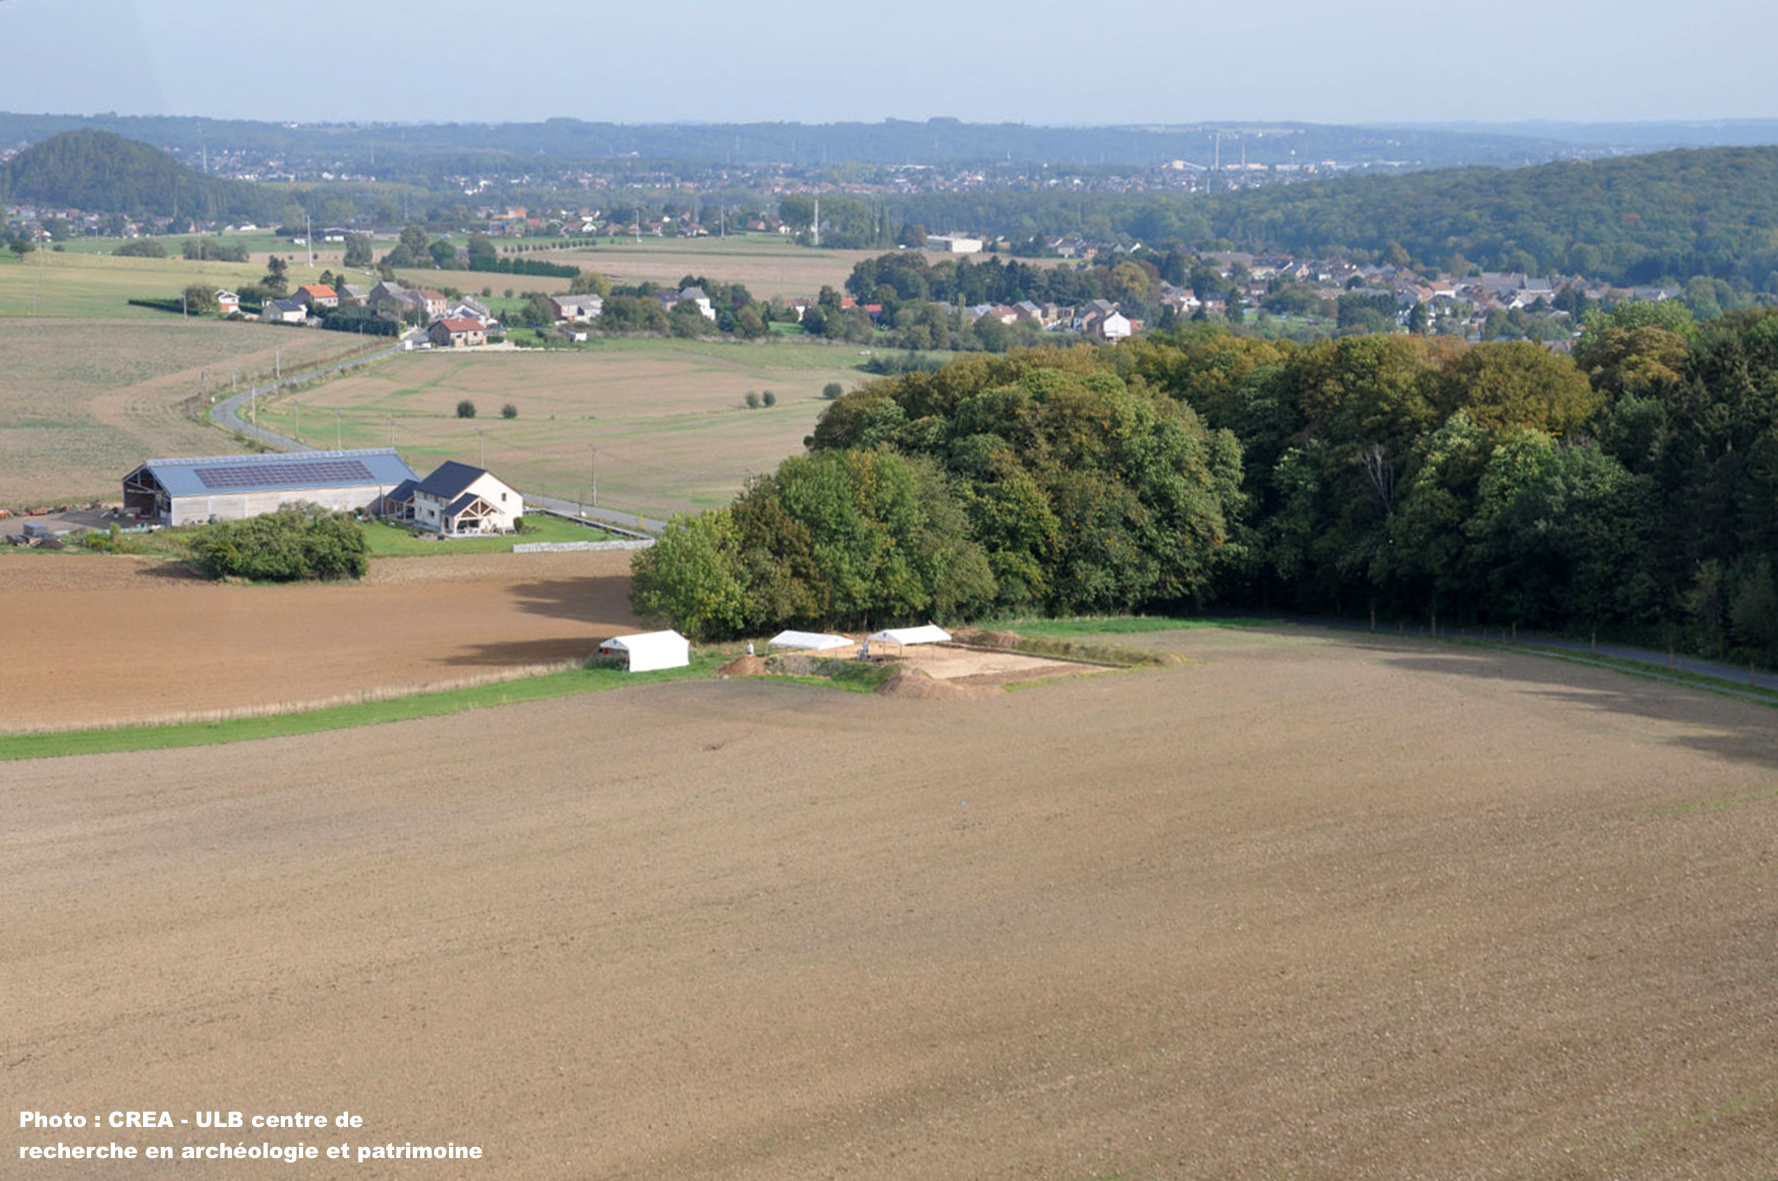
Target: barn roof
(225, 474)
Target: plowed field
(95, 640)
(1312, 907)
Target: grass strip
(340, 717)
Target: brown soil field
(668, 417)
(1313, 907)
(769, 267)
(91, 640)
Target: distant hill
(102, 172)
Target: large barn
(235, 487)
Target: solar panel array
(307, 471)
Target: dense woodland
(102, 172)
(1637, 220)
(1630, 490)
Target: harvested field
(767, 266)
(1314, 907)
(95, 640)
(668, 417)
(84, 401)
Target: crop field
(668, 417)
(768, 265)
(99, 286)
(82, 401)
(1312, 907)
(98, 640)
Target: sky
(1037, 62)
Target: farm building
(649, 651)
(235, 487)
(929, 633)
(458, 499)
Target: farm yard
(1314, 907)
(668, 416)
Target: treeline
(1629, 490)
(1637, 220)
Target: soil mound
(914, 683)
(988, 639)
(744, 666)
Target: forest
(1628, 491)
(1640, 220)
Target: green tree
(275, 284)
(358, 250)
(465, 409)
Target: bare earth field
(95, 639)
(1314, 907)
(668, 417)
(769, 266)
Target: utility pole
(278, 363)
(594, 452)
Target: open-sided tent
(650, 651)
(929, 633)
(808, 641)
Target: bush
(769, 398)
(298, 542)
(465, 409)
(141, 248)
(832, 390)
(507, 411)
(752, 400)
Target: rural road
(227, 414)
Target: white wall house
(458, 499)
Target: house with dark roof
(283, 311)
(458, 499)
(235, 487)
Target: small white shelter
(809, 641)
(929, 633)
(650, 651)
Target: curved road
(227, 414)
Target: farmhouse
(283, 311)
(227, 302)
(458, 499)
(235, 487)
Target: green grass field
(342, 717)
(396, 541)
(668, 416)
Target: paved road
(227, 413)
(1657, 663)
(644, 526)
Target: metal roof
(228, 474)
(450, 480)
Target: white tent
(931, 633)
(809, 641)
(651, 650)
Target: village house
(458, 499)
(457, 333)
(578, 309)
(283, 311)
(227, 302)
(316, 295)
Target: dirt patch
(92, 640)
(920, 685)
(744, 666)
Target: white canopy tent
(650, 651)
(808, 641)
(930, 633)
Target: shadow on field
(524, 653)
(584, 600)
(1739, 730)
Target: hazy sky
(1037, 61)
